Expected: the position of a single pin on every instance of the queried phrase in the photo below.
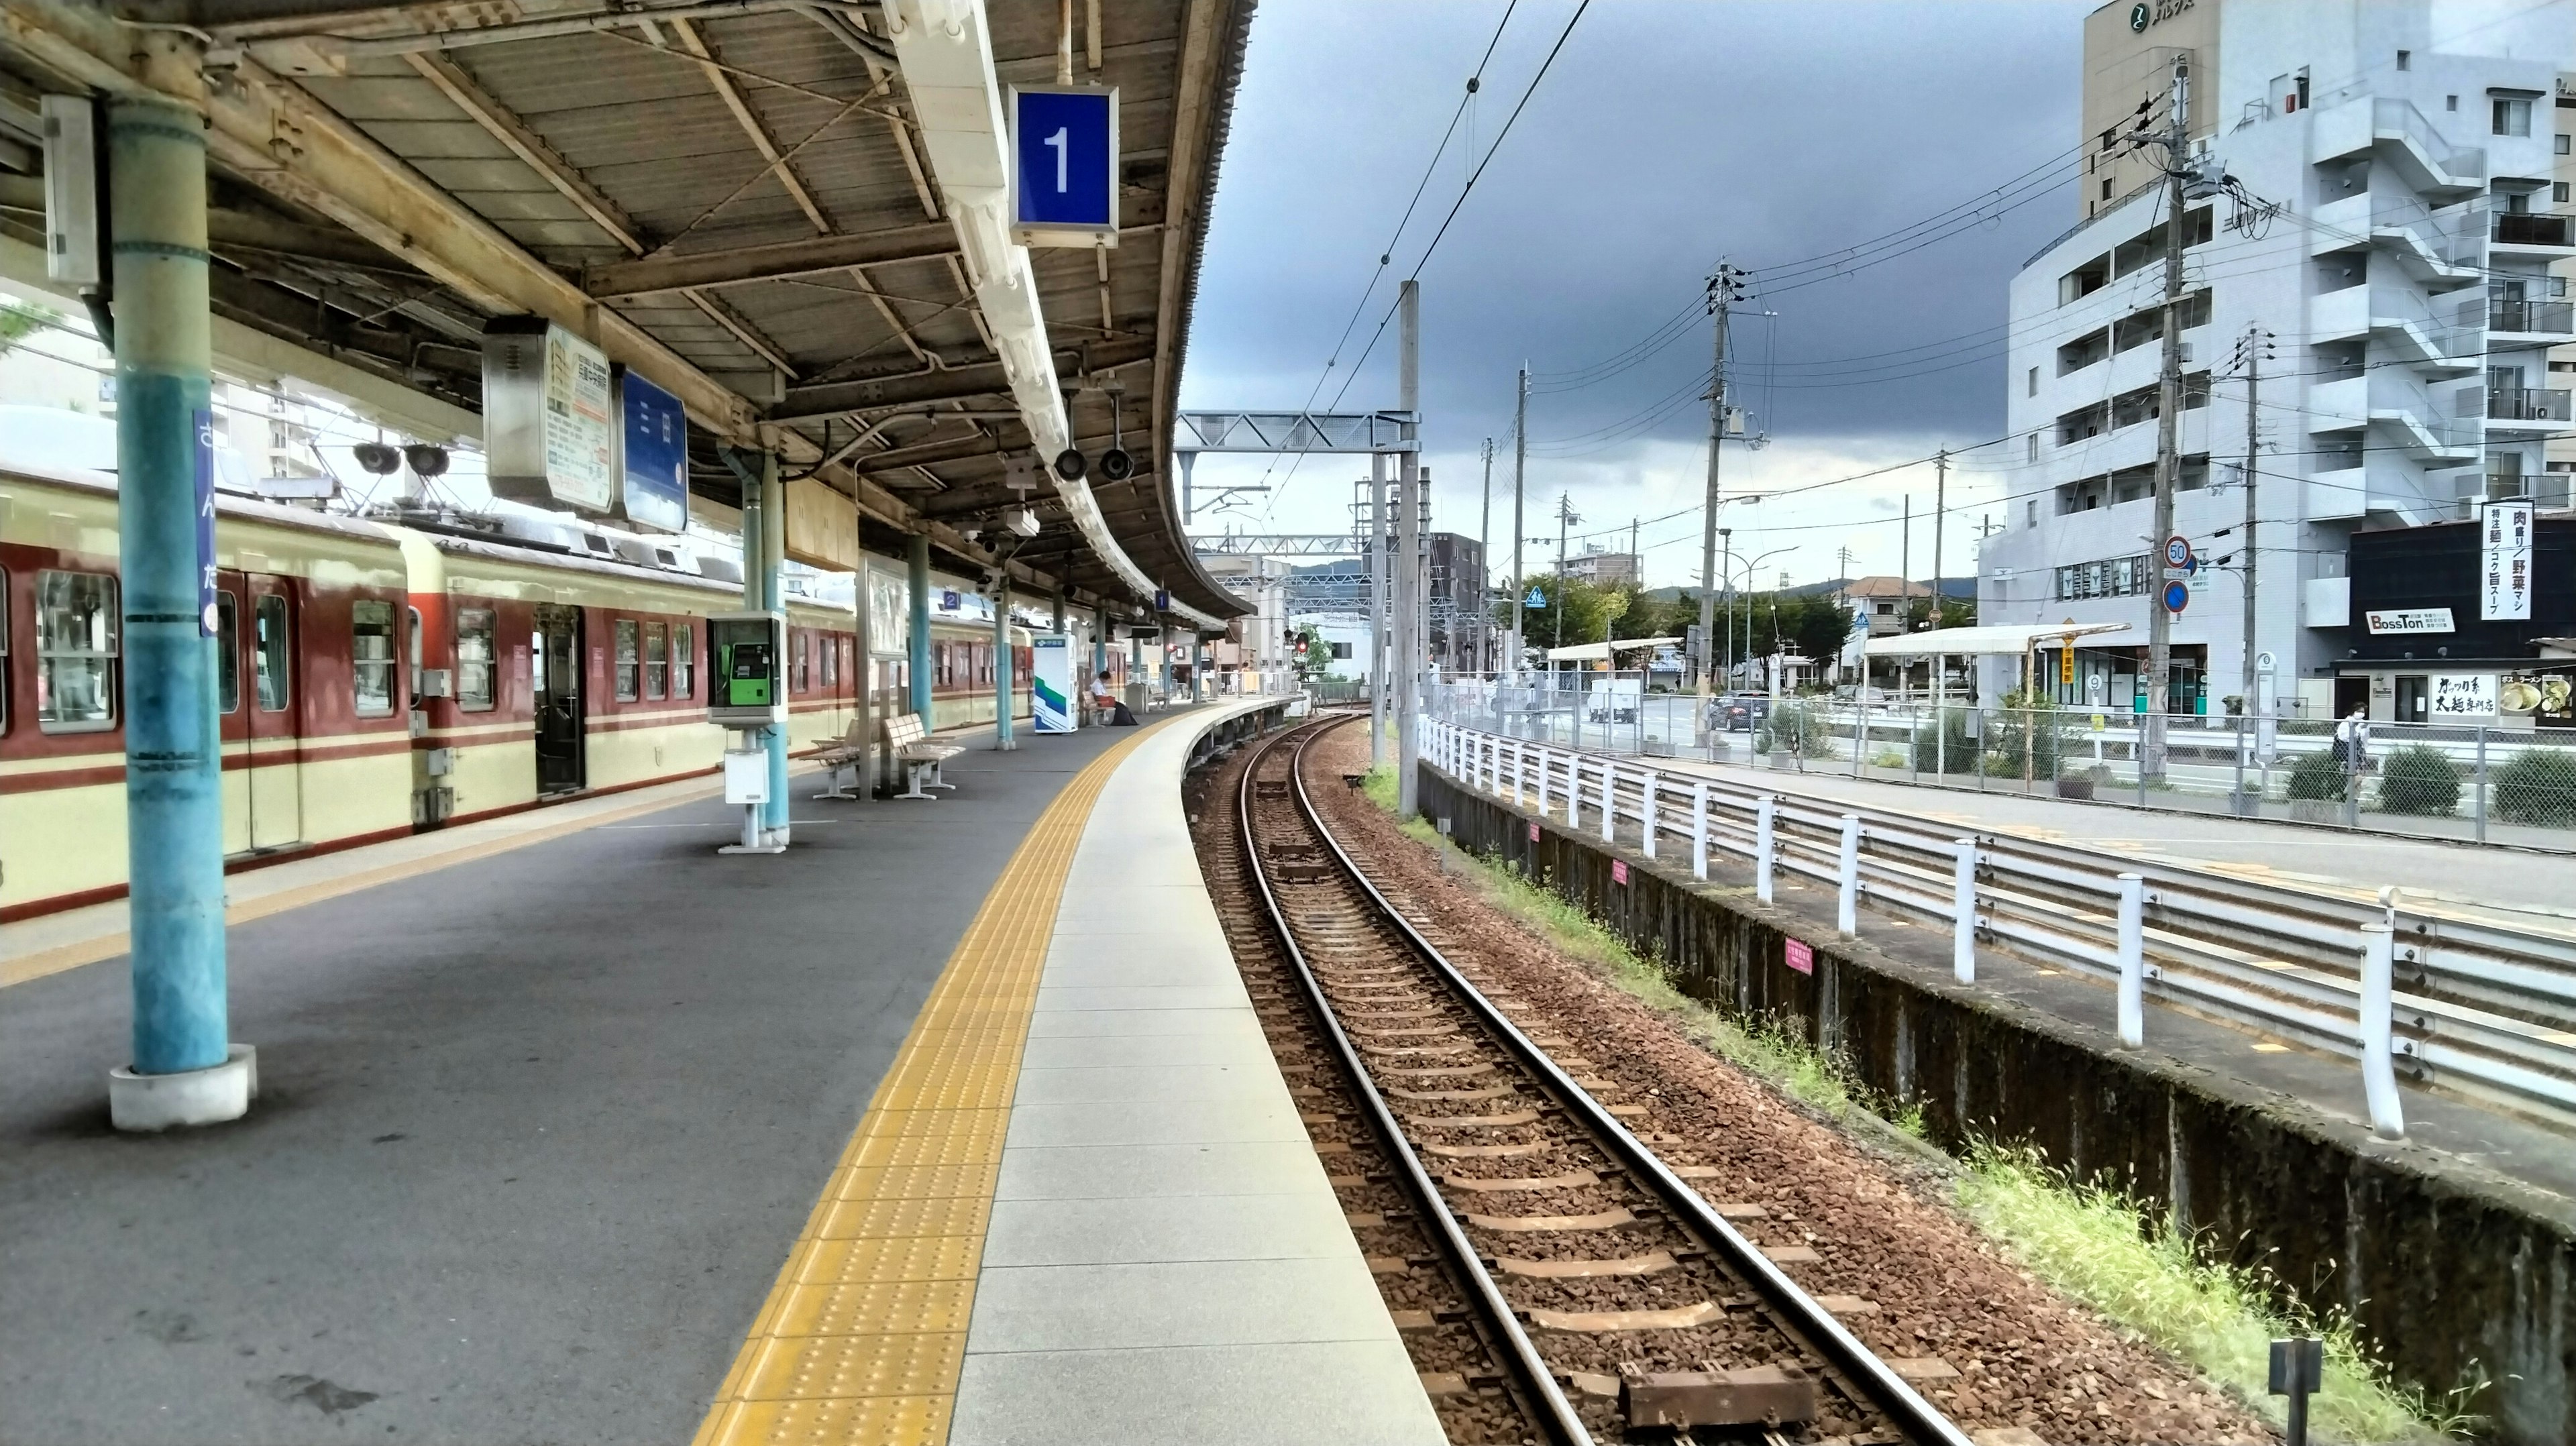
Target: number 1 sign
(1064, 165)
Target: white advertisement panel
(2504, 563)
(549, 422)
(1051, 678)
(2385, 622)
(2463, 695)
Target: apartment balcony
(2344, 492)
(2532, 322)
(2338, 315)
(2534, 234)
(2326, 602)
(2527, 409)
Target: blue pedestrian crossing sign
(1536, 599)
(1064, 165)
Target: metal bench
(919, 756)
(843, 754)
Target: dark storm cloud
(1667, 136)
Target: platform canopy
(1600, 652)
(786, 213)
(2004, 640)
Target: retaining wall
(2452, 1273)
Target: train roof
(249, 509)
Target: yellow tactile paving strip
(863, 1336)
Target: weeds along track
(1555, 1280)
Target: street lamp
(1748, 568)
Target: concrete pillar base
(764, 848)
(144, 1103)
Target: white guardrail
(2480, 1010)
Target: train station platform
(545, 1122)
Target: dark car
(1742, 713)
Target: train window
(630, 661)
(831, 662)
(4, 652)
(273, 652)
(684, 661)
(371, 657)
(75, 652)
(228, 652)
(657, 659)
(804, 662)
(412, 650)
(474, 659)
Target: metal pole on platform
(1377, 609)
(916, 568)
(185, 1069)
(1099, 651)
(1163, 656)
(1409, 656)
(862, 691)
(1002, 741)
(773, 597)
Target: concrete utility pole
(1721, 291)
(1940, 506)
(1564, 514)
(1520, 466)
(2168, 427)
(1484, 633)
(1408, 553)
(2252, 348)
(1905, 568)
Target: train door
(233, 705)
(276, 789)
(555, 673)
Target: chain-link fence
(2500, 783)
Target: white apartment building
(1263, 582)
(2408, 262)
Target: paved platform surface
(538, 1128)
(2517, 886)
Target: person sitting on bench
(1113, 714)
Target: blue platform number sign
(1064, 169)
(203, 424)
(655, 433)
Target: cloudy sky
(1666, 136)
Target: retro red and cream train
(376, 680)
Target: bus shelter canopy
(2012, 640)
(1600, 652)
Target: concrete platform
(539, 1124)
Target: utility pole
(1905, 568)
(1564, 514)
(1940, 504)
(2251, 350)
(1520, 466)
(1485, 568)
(1723, 288)
(1410, 651)
(2177, 140)
(1377, 609)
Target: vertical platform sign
(1051, 678)
(209, 621)
(1064, 165)
(2504, 563)
(653, 455)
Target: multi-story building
(1454, 593)
(1263, 582)
(1603, 569)
(2393, 247)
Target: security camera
(1022, 521)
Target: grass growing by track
(2085, 1241)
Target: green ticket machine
(750, 652)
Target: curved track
(1611, 1294)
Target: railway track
(1573, 1278)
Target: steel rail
(2484, 1010)
(1537, 1384)
(1796, 1312)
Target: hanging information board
(1064, 169)
(653, 455)
(549, 433)
(1051, 678)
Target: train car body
(374, 680)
